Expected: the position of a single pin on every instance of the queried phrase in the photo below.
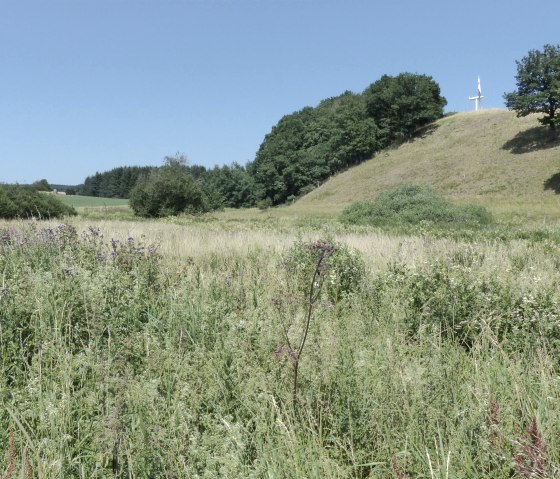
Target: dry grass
(181, 242)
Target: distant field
(78, 201)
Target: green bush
(17, 201)
(412, 205)
(168, 191)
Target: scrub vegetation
(167, 349)
(19, 201)
(414, 205)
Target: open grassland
(78, 201)
(95, 208)
(488, 157)
(158, 349)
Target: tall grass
(128, 356)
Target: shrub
(411, 205)
(25, 202)
(168, 191)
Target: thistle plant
(312, 262)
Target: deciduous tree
(401, 105)
(538, 86)
(167, 191)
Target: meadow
(167, 349)
(79, 201)
(284, 343)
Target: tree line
(301, 151)
(308, 146)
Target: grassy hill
(489, 157)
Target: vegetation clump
(414, 205)
(310, 145)
(19, 201)
(168, 191)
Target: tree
(229, 186)
(309, 145)
(41, 185)
(167, 191)
(538, 86)
(401, 105)
(116, 183)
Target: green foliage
(7, 207)
(538, 85)
(346, 268)
(42, 185)
(17, 201)
(229, 186)
(447, 300)
(116, 183)
(310, 145)
(412, 205)
(401, 105)
(168, 191)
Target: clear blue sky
(89, 85)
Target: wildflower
(95, 232)
(5, 291)
(114, 246)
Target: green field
(78, 201)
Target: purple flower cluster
(11, 235)
(322, 247)
(130, 251)
(61, 233)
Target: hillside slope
(489, 157)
